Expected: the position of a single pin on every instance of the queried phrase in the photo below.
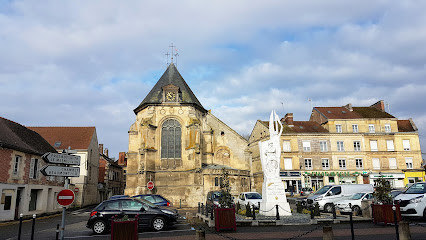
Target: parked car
(306, 191)
(213, 199)
(252, 198)
(330, 194)
(395, 193)
(156, 199)
(150, 215)
(413, 201)
(119, 196)
(355, 202)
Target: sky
(90, 63)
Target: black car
(213, 200)
(150, 215)
(156, 199)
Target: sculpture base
(273, 194)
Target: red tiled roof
(301, 127)
(370, 112)
(405, 126)
(74, 137)
(358, 112)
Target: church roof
(170, 76)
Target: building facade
(83, 142)
(344, 145)
(23, 188)
(182, 147)
(111, 179)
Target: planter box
(124, 230)
(384, 213)
(224, 219)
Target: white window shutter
(32, 168)
(390, 145)
(288, 165)
(392, 163)
(376, 163)
(38, 169)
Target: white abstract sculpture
(273, 192)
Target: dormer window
(171, 93)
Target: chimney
(101, 148)
(289, 119)
(380, 105)
(349, 107)
(106, 152)
(122, 159)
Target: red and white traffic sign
(150, 185)
(65, 197)
(76, 190)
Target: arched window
(171, 139)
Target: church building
(181, 147)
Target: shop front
(396, 180)
(413, 176)
(317, 180)
(292, 181)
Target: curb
(28, 220)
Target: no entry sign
(150, 185)
(65, 197)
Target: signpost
(61, 158)
(65, 197)
(51, 170)
(150, 185)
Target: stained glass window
(171, 139)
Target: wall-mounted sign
(290, 174)
(332, 173)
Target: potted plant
(124, 228)
(225, 213)
(382, 205)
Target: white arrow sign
(61, 158)
(59, 171)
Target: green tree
(225, 199)
(382, 191)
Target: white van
(413, 200)
(330, 194)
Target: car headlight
(416, 200)
(167, 212)
(318, 198)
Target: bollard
(32, 229)
(200, 234)
(327, 232)
(278, 214)
(20, 226)
(396, 222)
(312, 212)
(207, 211)
(254, 213)
(202, 209)
(352, 223)
(211, 214)
(404, 231)
(258, 204)
(198, 207)
(180, 203)
(57, 231)
(334, 212)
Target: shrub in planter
(225, 214)
(382, 206)
(248, 210)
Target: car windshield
(357, 196)
(417, 188)
(323, 190)
(253, 196)
(151, 205)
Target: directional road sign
(65, 197)
(61, 158)
(60, 171)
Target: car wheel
(328, 208)
(158, 224)
(356, 209)
(99, 227)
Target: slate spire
(170, 77)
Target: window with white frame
(387, 128)
(306, 146)
(34, 168)
(357, 146)
(371, 128)
(288, 164)
(406, 145)
(390, 146)
(286, 146)
(355, 128)
(373, 145)
(308, 163)
(16, 163)
(409, 162)
(323, 146)
(342, 164)
(325, 164)
(338, 128)
(340, 146)
(376, 163)
(392, 163)
(358, 163)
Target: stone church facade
(180, 146)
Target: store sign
(389, 175)
(290, 174)
(332, 174)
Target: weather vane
(174, 54)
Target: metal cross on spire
(174, 53)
